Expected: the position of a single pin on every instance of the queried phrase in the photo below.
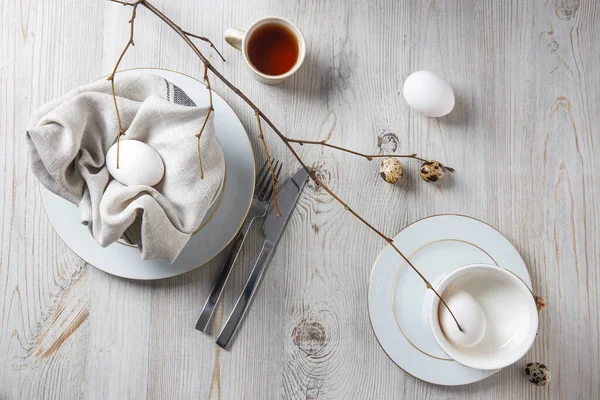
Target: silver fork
(260, 203)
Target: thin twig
(356, 153)
(273, 178)
(111, 77)
(288, 142)
(125, 3)
(207, 40)
(210, 110)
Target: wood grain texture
(523, 139)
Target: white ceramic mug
(239, 40)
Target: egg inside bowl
(511, 317)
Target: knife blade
(273, 228)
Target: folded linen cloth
(68, 139)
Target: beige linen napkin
(68, 139)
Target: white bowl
(509, 307)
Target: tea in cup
(272, 47)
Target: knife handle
(241, 306)
(217, 290)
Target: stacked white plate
(399, 302)
(221, 224)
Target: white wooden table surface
(524, 138)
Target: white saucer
(217, 231)
(398, 300)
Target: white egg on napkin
(139, 164)
(427, 93)
(470, 316)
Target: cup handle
(234, 37)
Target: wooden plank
(45, 288)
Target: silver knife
(272, 229)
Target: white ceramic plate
(398, 300)
(228, 212)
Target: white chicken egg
(470, 316)
(428, 94)
(139, 164)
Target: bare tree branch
(356, 153)
(210, 110)
(112, 75)
(288, 142)
(207, 40)
(125, 3)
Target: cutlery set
(262, 207)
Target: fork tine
(262, 170)
(262, 180)
(262, 196)
(277, 170)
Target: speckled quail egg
(433, 171)
(391, 170)
(537, 373)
